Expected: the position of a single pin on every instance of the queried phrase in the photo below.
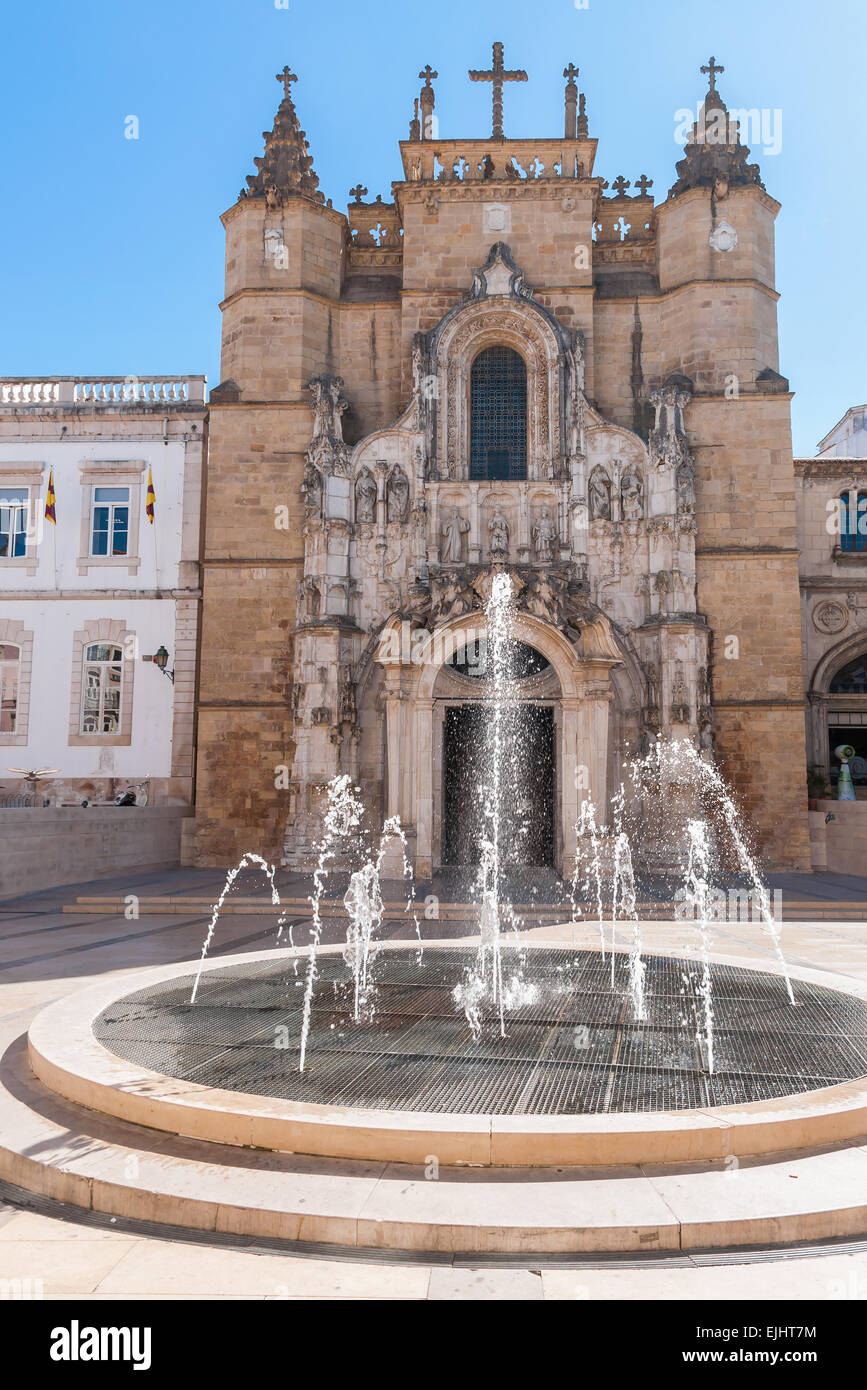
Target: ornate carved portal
(400, 546)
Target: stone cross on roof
(643, 184)
(497, 74)
(286, 76)
(571, 73)
(428, 73)
(358, 192)
(712, 68)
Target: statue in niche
(312, 487)
(652, 680)
(498, 531)
(313, 598)
(685, 488)
(398, 496)
(599, 495)
(679, 697)
(365, 498)
(329, 405)
(454, 531)
(631, 495)
(667, 440)
(544, 536)
(346, 706)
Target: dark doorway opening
(527, 784)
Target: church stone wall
(307, 298)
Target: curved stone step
(66, 1055)
(53, 1147)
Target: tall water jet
(697, 891)
(485, 981)
(365, 909)
(343, 816)
(246, 860)
(623, 899)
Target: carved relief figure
(631, 495)
(365, 498)
(454, 530)
(398, 496)
(599, 495)
(544, 536)
(498, 531)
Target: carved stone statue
(685, 488)
(346, 706)
(327, 449)
(328, 407)
(631, 495)
(311, 597)
(312, 487)
(365, 498)
(454, 530)
(398, 496)
(667, 439)
(599, 495)
(544, 536)
(498, 531)
(679, 697)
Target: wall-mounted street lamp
(160, 659)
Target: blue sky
(112, 251)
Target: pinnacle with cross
(428, 73)
(358, 192)
(497, 74)
(571, 73)
(286, 77)
(712, 68)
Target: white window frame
(111, 473)
(104, 665)
(18, 478)
(17, 663)
(119, 557)
(14, 634)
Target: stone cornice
(702, 193)
(835, 467)
(237, 209)
(299, 290)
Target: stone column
(817, 729)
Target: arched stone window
(498, 414)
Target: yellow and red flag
(50, 500)
(151, 499)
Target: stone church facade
(512, 365)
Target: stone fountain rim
(67, 1057)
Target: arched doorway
(574, 697)
(838, 710)
(527, 765)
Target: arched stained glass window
(851, 679)
(498, 414)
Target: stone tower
(510, 365)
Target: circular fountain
(511, 1050)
